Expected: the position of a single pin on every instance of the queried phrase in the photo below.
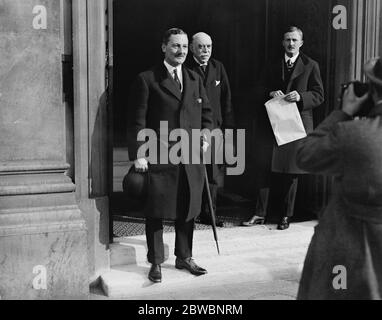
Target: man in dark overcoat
(218, 90)
(169, 94)
(296, 76)
(344, 258)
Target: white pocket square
(217, 83)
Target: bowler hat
(135, 184)
(373, 70)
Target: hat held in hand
(135, 184)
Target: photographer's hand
(351, 104)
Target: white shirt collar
(170, 69)
(293, 59)
(178, 69)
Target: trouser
(184, 230)
(279, 199)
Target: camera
(360, 88)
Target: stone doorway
(137, 30)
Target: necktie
(177, 80)
(289, 64)
(202, 71)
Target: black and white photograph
(190, 157)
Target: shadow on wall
(98, 170)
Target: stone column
(365, 44)
(91, 127)
(356, 41)
(43, 236)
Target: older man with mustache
(218, 90)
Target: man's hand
(351, 104)
(141, 165)
(276, 93)
(293, 96)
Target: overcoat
(216, 83)
(218, 90)
(344, 259)
(155, 97)
(306, 80)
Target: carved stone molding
(28, 178)
(41, 220)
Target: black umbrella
(213, 219)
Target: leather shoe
(253, 221)
(208, 221)
(190, 265)
(155, 274)
(284, 223)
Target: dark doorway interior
(245, 33)
(138, 27)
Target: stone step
(248, 256)
(132, 250)
(131, 280)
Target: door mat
(129, 226)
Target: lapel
(188, 84)
(298, 69)
(169, 83)
(282, 69)
(195, 67)
(211, 74)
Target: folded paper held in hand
(285, 119)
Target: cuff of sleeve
(335, 117)
(340, 115)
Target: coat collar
(189, 79)
(195, 66)
(211, 70)
(298, 69)
(168, 83)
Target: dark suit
(218, 90)
(174, 191)
(305, 78)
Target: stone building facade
(56, 120)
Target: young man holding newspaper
(296, 76)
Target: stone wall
(43, 236)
